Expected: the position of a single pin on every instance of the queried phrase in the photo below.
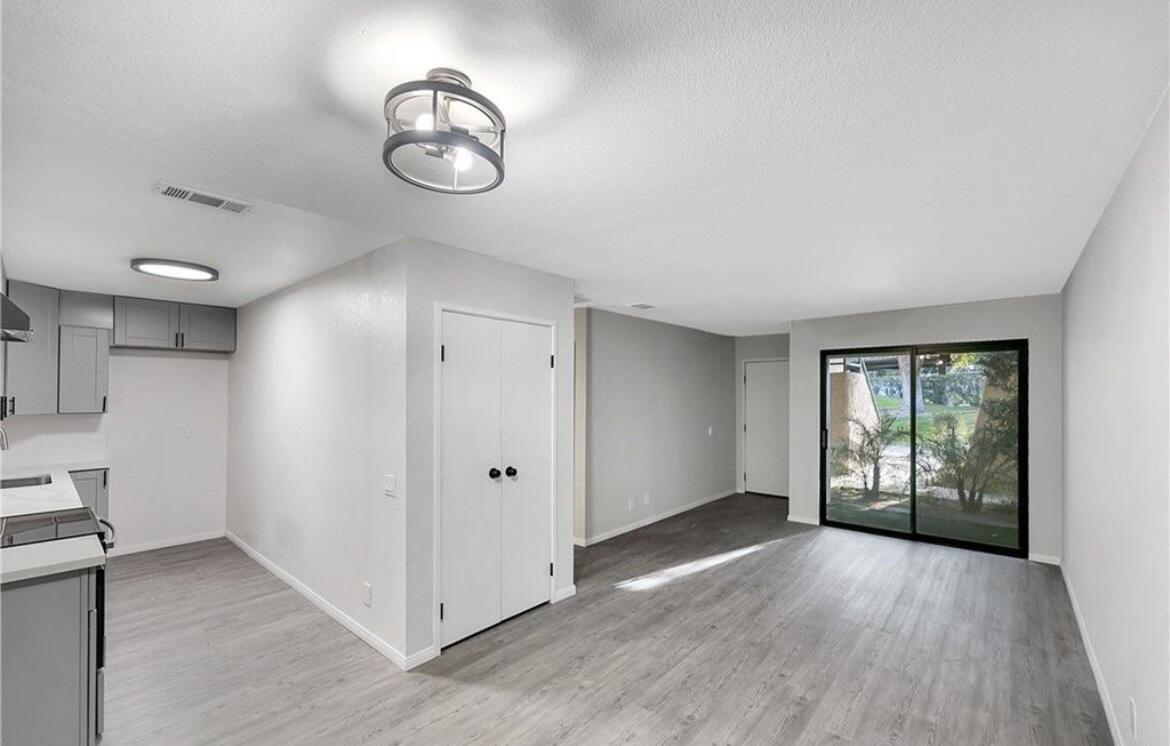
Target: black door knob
(511, 471)
(494, 473)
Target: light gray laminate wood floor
(735, 627)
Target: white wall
(317, 417)
(164, 488)
(580, 421)
(759, 347)
(654, 390)
(441, 274)
(1116, 410)
(1036, 319)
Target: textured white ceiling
(738, 165)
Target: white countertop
(49, 557)
(57, 495)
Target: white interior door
(766, 433)
(527, 449)
(470, 573)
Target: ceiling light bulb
(462, 160)
(424, 121)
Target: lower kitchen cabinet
(49, 689)
(93, 487)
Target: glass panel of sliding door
(968, 460)
(867, 464)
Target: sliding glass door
(928, 442)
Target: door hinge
(552, 361)
(745, 476)
(550, 569)
(442, 353)
(824, 439)
(745, 427)
(105, 478)
(440, 612)
(745, 377)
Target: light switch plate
(368, 594)
(391, 487)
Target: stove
(33, 528)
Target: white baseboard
(377, 643)
(1046, 559)
(563, 593)
(578, 541)
(656, 518)
(146, 546)
(802, 519)
(1098, 677)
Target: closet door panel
(527, 448)
(470, 507)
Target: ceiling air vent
(187, 194)
(641, 306)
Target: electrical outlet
(184, 431)
(1133, 721)
(710, 432)
(630, 504)
(391, 487)
(367, 594)
(646, 500)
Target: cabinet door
(44, 682)
(207, 328)
(470, 497)
(84, 370)
(31, 375)
(92, 487)
(139, 322)
(526, 503)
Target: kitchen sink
(33, 481)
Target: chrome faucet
(3, 439)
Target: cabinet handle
(176, 339)
(493, 473)
(103, 404)
(182, 339)
(12, 405)
(510, 471)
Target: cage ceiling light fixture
(172, 269)
(443, 136)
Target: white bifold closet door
(496, 529)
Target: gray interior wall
(316, 409)
(653, 391)
(757, 347)
(1036, 319)
(1116, 440)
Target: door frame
(437, 445)
(743, 423)
(1018, 345)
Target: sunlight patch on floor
(662, 577)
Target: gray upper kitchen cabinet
(87, 309)
(93, 487)
(84, 370)
(208, 328)
(139, 322)
(31, 367)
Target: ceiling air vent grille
(187, 194)
(641, 306)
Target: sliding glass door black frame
(1020, 346)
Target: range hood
(14, 322)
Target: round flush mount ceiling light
(443, 136)
(173, 269)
